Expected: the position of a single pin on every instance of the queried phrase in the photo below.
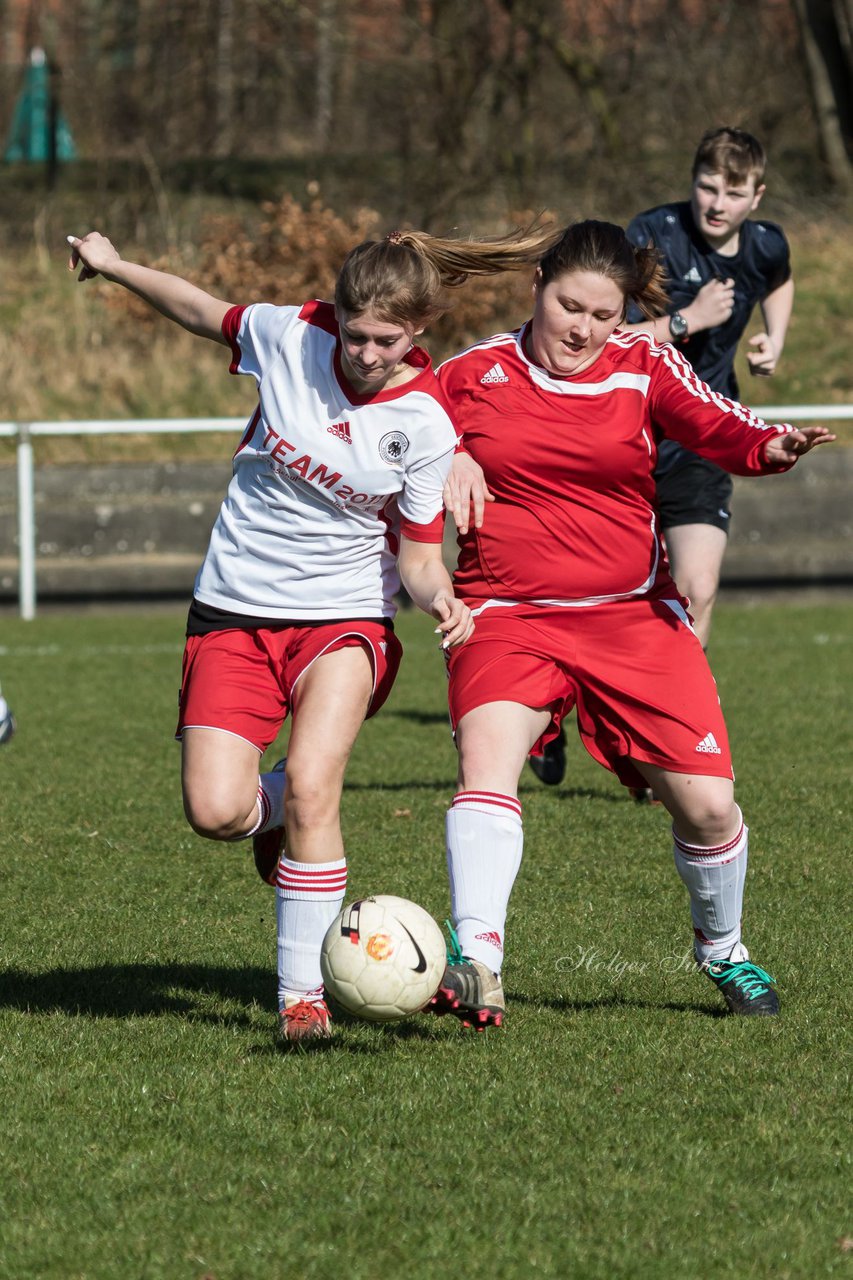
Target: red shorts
(242, 681)
(634, 670)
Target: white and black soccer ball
(383, 958)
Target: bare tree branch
(829, 68)
(583, 70)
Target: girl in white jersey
(574, 604)
(337, 485)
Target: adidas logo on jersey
(709, 745)
(341, 430)
(495, 374)
(693, 276)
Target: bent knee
(708, 820)
(215, 819)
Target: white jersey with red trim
(570, 462)
(324, 477)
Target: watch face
(677, 325)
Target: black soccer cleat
(268, 846)
(644, 795)
(550, 766)
(745, 988)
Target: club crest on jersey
(341, 430)
(392, 446)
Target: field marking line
(86, 650)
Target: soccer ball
(383, 958)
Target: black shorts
(695, 492)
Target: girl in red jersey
(337, 484)
(574, 605)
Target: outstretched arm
(175, 298)
(783, 450)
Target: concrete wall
(138, 527)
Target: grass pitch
(619, 1126)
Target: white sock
(269, 811)
(308, 897)
(714, 878)
(485, 839)
(271, 797)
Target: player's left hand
(455, 623)
(763, 359)
(786, 449)
(465, 488)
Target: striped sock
(269, 811)
(484, 845)
(308, 897)
(715, 879)
(271, 796)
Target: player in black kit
(720, 264)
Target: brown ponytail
(403, 278)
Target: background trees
(436, 106)
(826, 28)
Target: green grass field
(618, 1126)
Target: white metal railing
(27, 431)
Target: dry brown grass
(91, 351)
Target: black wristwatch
(677, 326)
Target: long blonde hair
(404, 278)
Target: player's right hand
(713, 305)
(94, 251)
(455, 623)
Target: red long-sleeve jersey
(570, 463)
